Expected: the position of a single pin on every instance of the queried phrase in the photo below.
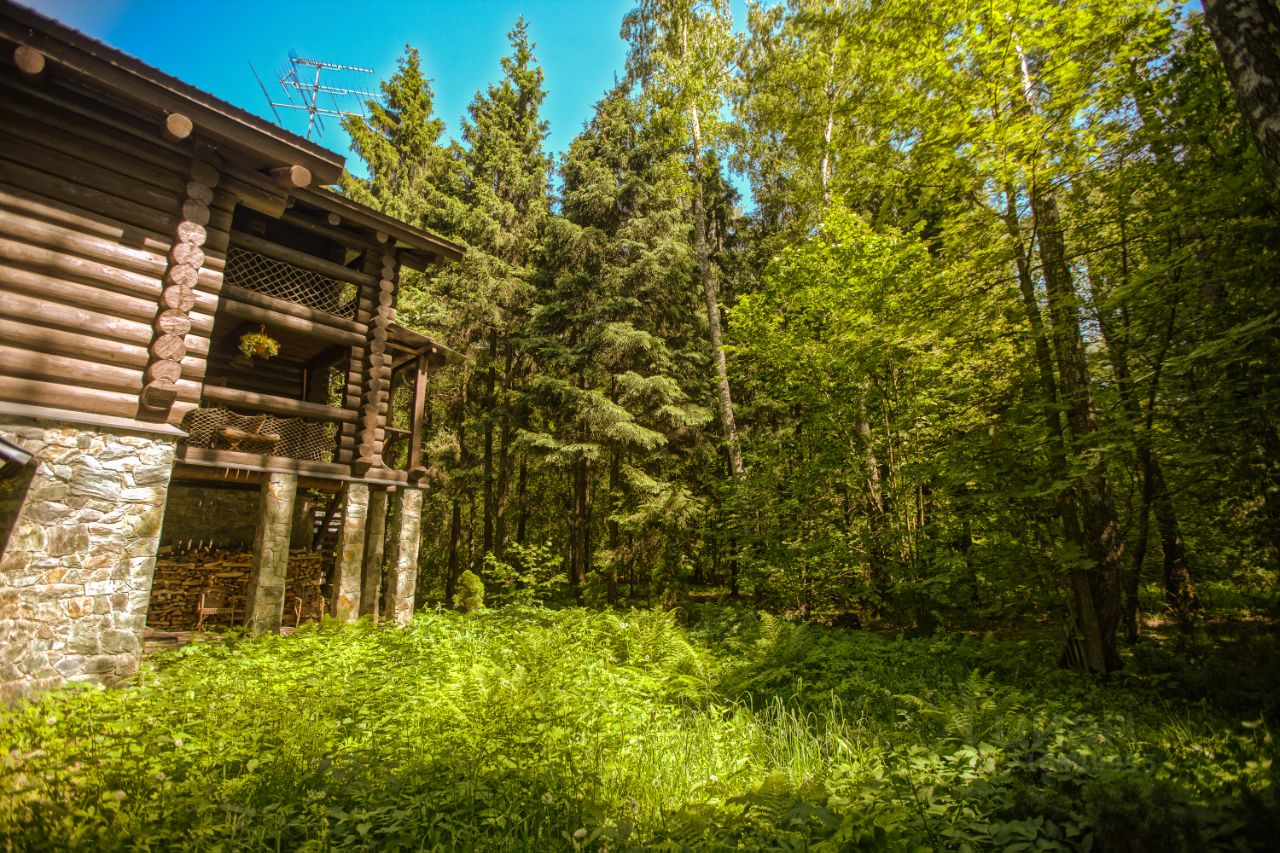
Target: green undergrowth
(529, 729)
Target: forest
(867, 440)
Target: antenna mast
(301, 77)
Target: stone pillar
(402, 560)
(75, 578)
(349, 560)
(374, 550)
(265, 598)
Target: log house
(145, 228)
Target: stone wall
(75, 579)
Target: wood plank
(299, 259)
(235, 458)
(234, 308)
(277, 405)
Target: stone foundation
(75, 578)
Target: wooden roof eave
(419, 343)
(415, 243)
(127, 77)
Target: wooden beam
(298, 259)
(277, 405)
(292, 309)
(30, 61)
(177, 127)
(422, 378)
(243, 311)
(291, 177)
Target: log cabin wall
(89, 223)
(124, 197)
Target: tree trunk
(1096, 589)
(1247, 33)
(490, 379)
(455, 546)
(710, 289)
(522, 507)
(504, 470)
(615, 488)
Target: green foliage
(516, 729)
(470, 595)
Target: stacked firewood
(182, 576)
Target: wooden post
(349, 560)
(374, 551)
(402, 559)
(420, 382)
(265, 598)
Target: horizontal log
(42, 339)
(204, 172)
(62, 299)
(82, 373)
(30, 61)
(291, 177)
(244, 311)
(267, 202)
(87, 199)
(54, 162)
(237, 459)
(119, 131)
(343, 237)
(173, 322)
(177, 127)
(298, 259)
(292, 309)
(277, 405)
(88, 148)
(196, 211)
(158, 396)
(201, 192)
(25, 203)
(61, 241)
(63, 396)
(164, 370)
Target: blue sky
(211, 44)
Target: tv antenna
(300, 79)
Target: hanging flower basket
(259, 344)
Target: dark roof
(125, 76)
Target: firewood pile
(181, 576)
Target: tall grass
(528, 729)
